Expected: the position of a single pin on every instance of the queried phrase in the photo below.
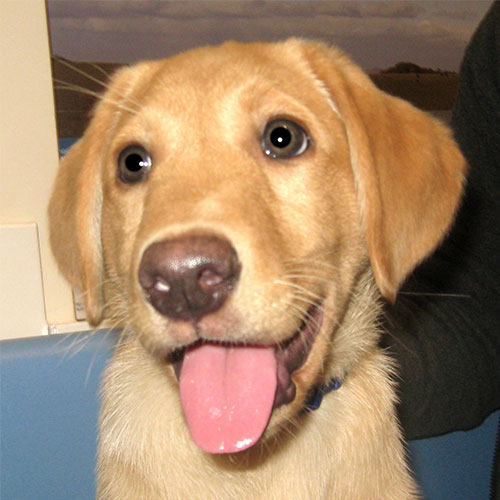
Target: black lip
(290, 354)
(176, 358)
(293, 354)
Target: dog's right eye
(134, 163)
(283, 139)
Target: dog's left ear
(408, 169)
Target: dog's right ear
(75, 205)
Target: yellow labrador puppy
(239, 210)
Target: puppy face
(222, 206)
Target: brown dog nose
(190, 276)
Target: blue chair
(49, 406)
(49, 388)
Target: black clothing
(448, 345)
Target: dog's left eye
(284, 139)
(134, 164)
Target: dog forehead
(216, 87)
(205, 75)
(231, 61)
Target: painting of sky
(376, 34)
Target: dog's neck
(360, 320)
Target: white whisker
(102, 83)
(96, 351)
(302, 289)
(78, 342)
(76, 69)
(76, 88)
(101, 70)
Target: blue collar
(314, 402)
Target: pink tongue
(227, 395)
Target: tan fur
(371, 197)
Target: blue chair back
(49, 409)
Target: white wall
(28, 163)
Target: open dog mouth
(228, 391)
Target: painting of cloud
(377, 34)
